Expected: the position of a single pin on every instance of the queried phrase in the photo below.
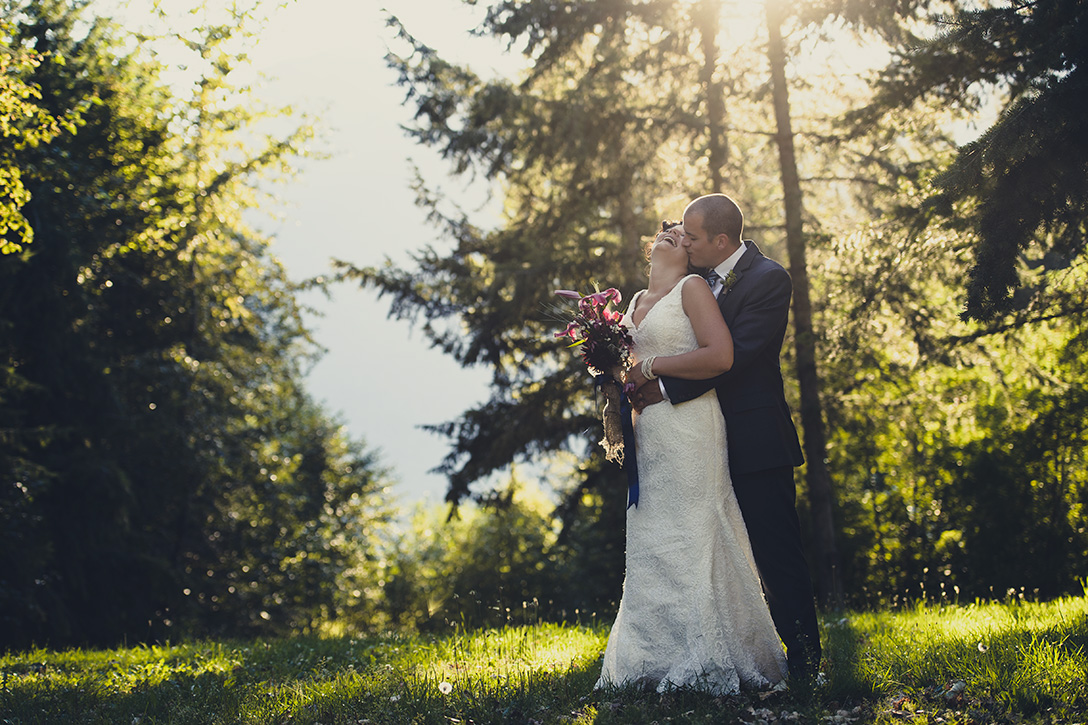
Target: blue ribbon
(630, 460)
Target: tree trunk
(821, 497)
(706, 18)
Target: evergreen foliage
(585, 151)
(1021, 186)
(163, 470)
(580, 170)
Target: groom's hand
(647, 394)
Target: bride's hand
(635, 376)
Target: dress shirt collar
(726, 267)
(730, 262)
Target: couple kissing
(717, 592)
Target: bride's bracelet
(648, 368)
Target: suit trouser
(768, 503)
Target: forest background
(166, 472)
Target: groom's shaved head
(720, 215)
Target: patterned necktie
(714, 280)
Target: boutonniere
(729, 280)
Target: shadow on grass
(202, 698)
(568, 697)
(844, 644)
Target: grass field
(1017, 662)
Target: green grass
(987, 663)
(986, 660)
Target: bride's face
(667, 251)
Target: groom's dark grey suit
(763, 446)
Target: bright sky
(327, 57)
(358, 206)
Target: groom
(753, 294)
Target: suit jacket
(759, 426)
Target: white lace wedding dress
(692, 612)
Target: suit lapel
(750, 254)
(729, 311)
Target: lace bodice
(665, 329)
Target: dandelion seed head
(445, 688)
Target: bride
(692, 612)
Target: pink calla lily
(597, 331)
(601, 298)
(570, 332)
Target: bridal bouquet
(605, 346)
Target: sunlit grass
(1014, 662)
(395, 678)
(1021, 657)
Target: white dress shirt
(726, 267)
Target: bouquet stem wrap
(611, 415)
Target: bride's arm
(714, 355)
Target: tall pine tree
(1021, 186)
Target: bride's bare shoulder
(695, 284)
